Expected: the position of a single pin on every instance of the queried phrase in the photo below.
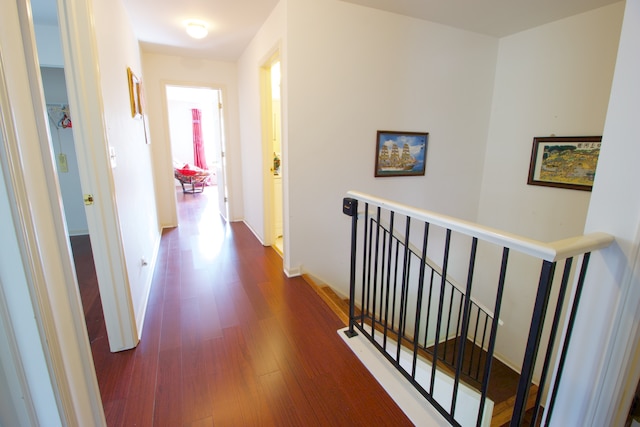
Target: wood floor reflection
(229, 340)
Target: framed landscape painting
(400, 153)
(565, 162)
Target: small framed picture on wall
(400, 153)
(564, 162)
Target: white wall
(376, 70)
(550, 80)
(605, 339)
(353, 71)
(267, 41)
(553, 79)
(160, 70)
(133, 176)
(49, 46)
(55, 92)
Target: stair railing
(404, 302)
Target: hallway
(229, 340)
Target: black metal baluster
(459, 320)
(406, 297)
(484, 337)
(395, 286)
(364, 262)
(367, 309)
(445, 262)
(492, 335)
(383, 270)
(533, 341)
(465, 324)
(567, 339)
(449, 314)
(352, 277)
(475, 342)
(554, 329)
(386, 309)
(416, 332)
(403, 290)
(375, 276)
(426, 327)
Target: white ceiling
(159, 24)
(492, 17)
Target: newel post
(350, 208)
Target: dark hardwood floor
(228, 339)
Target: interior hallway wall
(378, 71)
(269, 39)
(604, 348)
(551, 80)
(132, 176)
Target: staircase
(431, 282)
(503, 382)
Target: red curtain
(198, 145)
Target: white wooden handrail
(553, 251)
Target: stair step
(502, 410)
(338, 305)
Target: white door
(221, 165)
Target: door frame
(38, 221)
(266, 113)
(222, 114)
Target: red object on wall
(198, 146)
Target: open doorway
(272, 149)
(63, 148)
(197, 136)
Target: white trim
(266, 121)
(11, 364)
(293, 272)
(144, 301)
(553, 251)
(407, 397)
(40, 228)
(167, 173)
(254, 232)
(614, 397)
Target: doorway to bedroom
(197, 138)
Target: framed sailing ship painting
(565, 162)
(401, 153)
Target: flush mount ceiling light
(197, 29)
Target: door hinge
(219, 105)
(226, 200)
(88, 199)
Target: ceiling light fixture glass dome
(197, 29)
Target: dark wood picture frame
(564, 161)
(401, 153)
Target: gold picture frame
(135, 94)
